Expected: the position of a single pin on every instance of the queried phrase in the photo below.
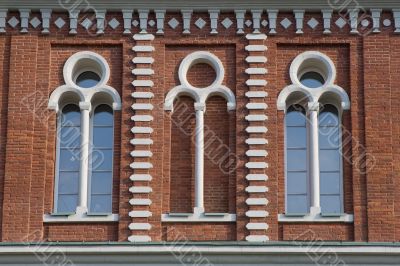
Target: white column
(199, 159)
(84, 171)
(313, 108)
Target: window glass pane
(295, 116)
(101, 182)
(312, 80)
(100, 203)
(69, 159)
(296, 160)
(329, 160)
(87, 79)
(103, 137)
(297, 204)
(68, 182)
(71, 115)
(296, 137)
(330, 183)
(330, 204)
(70, 137)
(103, 116)
(328, 137)
(297, 183)
(328, 116)
(101, 160)
(67, 203)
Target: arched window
(296, 160)
(314, 170)
(101, 159)
(330, 158)
(68, 159)
(84, 169)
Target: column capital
(313, 106)
(200, 106)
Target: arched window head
(296, 160)
(68, 159)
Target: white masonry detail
(142, 84)
(256, 152)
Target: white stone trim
(256, 71)
(256, 82)
(141, 141)
(143, 48)
(255, 48)
(142, 106)
(142, 130)
(256, 36)
(139, 226)
(256, 59)
(160, 16)
(240, 21)
(139, 238)
(299, 16)
(24, 15)
(345, 218)
(256, 165)
(100, 16)
(140, 214)
(46, 16)
(256, 141)
(186, 15)
(256, 177)
(198, 217)
(140, 189)
(143, 60)
(257, 201)
(143, 71)
(257, 226)
(73, 21)
(256, 106)
(256, 189)
(256, 14)
(353, 15)
(272, 16)
(251, 118)
(327, 16)
(256, 129)
(396, 17)
(141, 153)
(140, 202)
(80, 218)
(142, 95)
(127, 16)
(214, 20)
(143, 83)
(140, 177)
(141, 165)
(257, 238)
(376, 16)
(3, 16)
(257, 214)
(142, 118)
(256, 153)
(143, 37)
(143, 17)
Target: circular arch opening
(198, 58)
(312, 70)
(86, 70)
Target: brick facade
(31, 68)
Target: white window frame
(337, 96)
(68, 93)
(200, 96)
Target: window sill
(200, 217)
(317, 218)
(79, 218)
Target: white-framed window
(85, 108)
(313, 107)
(200, 96)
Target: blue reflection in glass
(102, 160)
(87, 79)
(312, 80)
(69, 138)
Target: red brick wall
(31, 68)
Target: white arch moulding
(200, 96)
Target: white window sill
(79, 218)
(317, 218)
(198, 217)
